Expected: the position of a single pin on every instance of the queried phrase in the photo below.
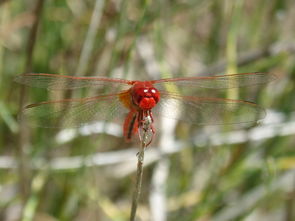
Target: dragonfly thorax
(145, 96)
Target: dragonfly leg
(151, 115)
(139, 124)
(130, 125)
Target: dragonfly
(196, 100)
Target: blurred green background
(213, 173)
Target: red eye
(145, 96)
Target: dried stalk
(140, 159)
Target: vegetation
(191, 172)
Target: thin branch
(137, 191)
(140, 158)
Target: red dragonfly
(191, 99)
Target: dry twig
(140, 156)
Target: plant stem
(140, 159)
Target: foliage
(213, 173)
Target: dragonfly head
(145, 96)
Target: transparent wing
(64, 82)
(208, 111)
(205, 85)
(75, 112)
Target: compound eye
(153, 91)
